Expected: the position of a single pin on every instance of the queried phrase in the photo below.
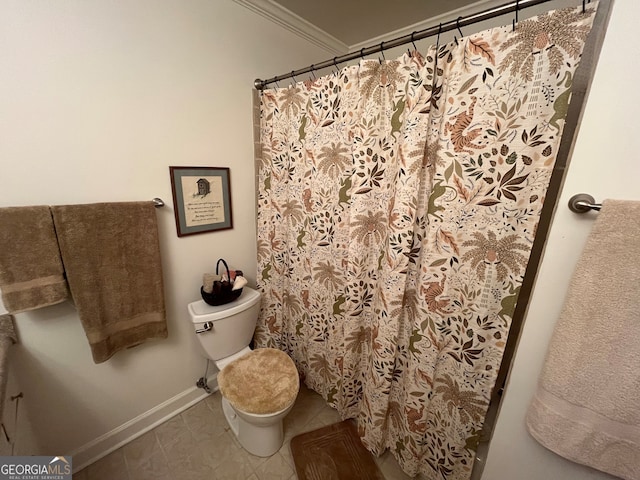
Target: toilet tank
(233, 324)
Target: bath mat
(333, 453)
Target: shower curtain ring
(312, 69)
(515, 20)
(362, 53)
(293, 76)
(583, 6)
(382, 53)
(460, 31)
(438, 37)
(336, 65)
(413, 41)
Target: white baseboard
(116, 438)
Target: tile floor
(198, 444)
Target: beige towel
(587, 406)
(112, 258)
(7, 338)
(31, 274)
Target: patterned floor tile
(154, 468)
(199, 445)
(141, 449)
(109, 467)
(275, 468)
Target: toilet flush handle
(207, 326)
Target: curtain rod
(515, 6)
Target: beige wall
(605, 163)
(97, 99)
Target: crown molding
(295, 24)
(429, 22)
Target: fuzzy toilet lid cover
(261, 382)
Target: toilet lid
(262, 382)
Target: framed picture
(201, 199)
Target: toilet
(258, 387)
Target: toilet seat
(262, 382)
(223, 362)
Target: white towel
(587, 406)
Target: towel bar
(583, 202)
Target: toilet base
(261, 440)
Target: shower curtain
(397, 206)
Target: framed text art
(201, 199)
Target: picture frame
(201, 199)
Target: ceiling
(355, 21)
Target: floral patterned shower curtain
(397, 206)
